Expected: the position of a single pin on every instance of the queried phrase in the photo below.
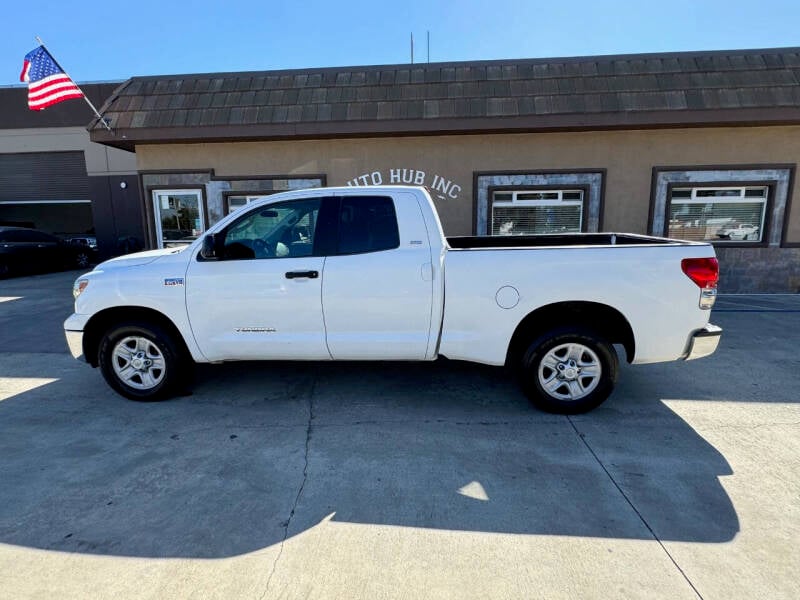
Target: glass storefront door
(179, 216)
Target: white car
(367, 274)
(742, 231)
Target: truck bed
(569, 239)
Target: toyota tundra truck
(366, 274)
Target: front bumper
(75, 343)
(704, 342)
(73, 329)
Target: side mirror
(210, 249)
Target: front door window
(179, 216)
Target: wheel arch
(602, 318)
(102, 320)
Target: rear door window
(367, 224)
(41, 237)
(18, 236)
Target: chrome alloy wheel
(570, 371)
(138, 362)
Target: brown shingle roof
(601, 92)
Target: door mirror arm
(212, 247)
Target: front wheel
(569, 370)
(142, 362)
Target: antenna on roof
(412, 47)
(429, 46)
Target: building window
(739, 205)
(237, 202)
(531, 212)
(718, 214)
(526, 202)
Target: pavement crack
(582, 437)
(288, 523)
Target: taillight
(705, 273)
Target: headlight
(78, 287)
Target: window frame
(768, 206)
(156, 191)
(782, 175)
(592, 177)
(584, 188)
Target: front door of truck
(377, 287)
(261, 298)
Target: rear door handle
(302, 274)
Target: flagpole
(89, 102)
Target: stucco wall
(100, 160)
(628, 156)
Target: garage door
(45, 190)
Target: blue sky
(100, 41)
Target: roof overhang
(128, 139)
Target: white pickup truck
(367, 274)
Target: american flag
(47, 83)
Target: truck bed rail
(569, 239)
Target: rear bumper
(704, 342)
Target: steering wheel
(261, 248)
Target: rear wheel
(142, 361)
(568, 370)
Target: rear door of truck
(377, 286)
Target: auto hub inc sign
(439, 186)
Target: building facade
(697, 146)
(54, 178)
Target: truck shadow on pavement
(262, 452)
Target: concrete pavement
(289, 480)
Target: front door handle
(302, 274)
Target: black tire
(5, 270)
(555, 340)
(174, 376)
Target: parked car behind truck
(367, 274)
(24, 250)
